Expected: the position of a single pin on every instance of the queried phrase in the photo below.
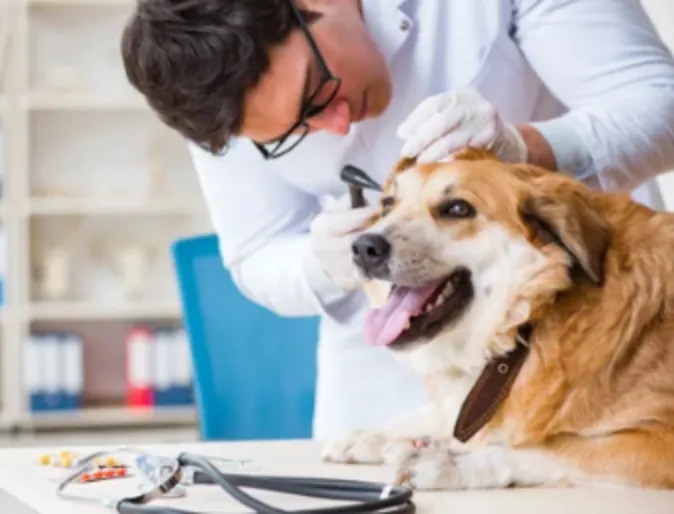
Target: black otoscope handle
(357, 180)
(357, 196)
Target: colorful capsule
(103, 474)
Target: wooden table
(34, 486)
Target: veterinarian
(584, 87)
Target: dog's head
(463, 252)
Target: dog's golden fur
(596, 392)
(598, 386)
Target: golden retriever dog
(540, 315)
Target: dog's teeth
(439, 301)
(448, 290)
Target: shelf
(82, 102)
(40, 206)
(111, 417)
(47, 311)
(95, 172)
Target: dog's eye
(455, 209)
(387, 204)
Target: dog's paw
(360, 447)
(365, 447)
(432, 468)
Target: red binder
(139, 368)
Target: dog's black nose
(371, 251)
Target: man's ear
(567, 218)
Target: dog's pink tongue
(385, 324)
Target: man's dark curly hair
(193, 60)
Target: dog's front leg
(440, 468)
(390, 445)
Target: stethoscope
(163, 477)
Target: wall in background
(662, 14)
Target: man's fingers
(433, 130)
(419, 115)
(445, 147)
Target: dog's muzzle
(372, 253)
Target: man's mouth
(411, 314)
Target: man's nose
(371, 251)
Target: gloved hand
(331, 234)
(445, 123)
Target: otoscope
(357, 180)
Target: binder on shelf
(163, 376)
(174, 366)
(183, 359)
(139, 368)
(53, 371)
(158, 368)
(49, 345)
(72, 370)
(33, 374)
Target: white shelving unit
(94, 191)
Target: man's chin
(378, 100)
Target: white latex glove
(332, 233)
(445, 123)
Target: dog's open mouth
(414, 313)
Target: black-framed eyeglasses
(312, 104)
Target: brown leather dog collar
(492, 388)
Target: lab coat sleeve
(262, 226)
(604, 60)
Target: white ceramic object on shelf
(54, 284)
(132, 266)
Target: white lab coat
(597, 63)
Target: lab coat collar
(384, 19)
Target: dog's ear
(568, 219)
(400, 166)
(403, 164)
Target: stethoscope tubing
(367, 494)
